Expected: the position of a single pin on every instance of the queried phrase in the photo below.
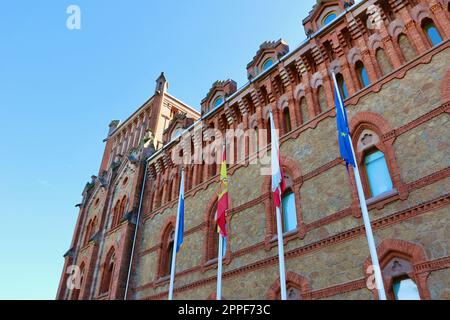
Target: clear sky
(60, 88)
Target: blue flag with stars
(345, 147)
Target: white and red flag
(278, 183)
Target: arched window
(322, 99)
(304, 110)
(115, 214)
(377, 173)
(361, 72)
(405, 288)
(218, 101)
(167, 251)
(90, 230)
(430, 29)
(108, 270)
(383, 62)
(267, 64)
(402, 281)
(329, 18)
(406, 47)
(76, 291)
(123, 208)
(342, 86)
(289, 211)
(286, 120)
(268, 130)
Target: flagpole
(278, 216)
(366, 218)
(219, 269)
(174, 246)
(281, 256)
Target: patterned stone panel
(192, 253)
(314, 148)
(420, 87)
(245, 185)
(248, 228)
(439, 284)
(426, 148)
(325, 194)
(430, 230)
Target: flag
(181, 214)
(345, 147)
(222, 202)
(278, 182)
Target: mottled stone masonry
(407, 107)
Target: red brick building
(391, 58)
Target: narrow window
(383, 62)
(289, 212)
(218, 101)
(107, 272)
(342, 86)
(406, 47)
(405, 289)
(287, 120)
(167, 253)
(304, 110)
(377, 173)
(322, 99)
(433, 35)
(267, 64)
(363, 77)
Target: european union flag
(345, 147)
(180, 215)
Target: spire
(161, 84)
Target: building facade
(391, 61)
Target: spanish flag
(222, 202)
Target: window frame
(427, 24)
(327, 16)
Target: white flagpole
(275, 148)
(175, 241)
(365, 215)
(281, 256)
(219, 269)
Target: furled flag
(181, 214)
(278, 183)
(222, 203)
(342, 127)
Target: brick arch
(294, 279)
(300, 91)
(335, 66)
(420, 12)
(317, 80)
(413, 253)
(107, 278)
(396, 28)
(376, 123)
(169, 224)
(354, 55)
(283, 102)
(372, 118)
(291, 167)
(445, 87)
(375, 42)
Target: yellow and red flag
(222, 202)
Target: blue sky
(59, 89)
